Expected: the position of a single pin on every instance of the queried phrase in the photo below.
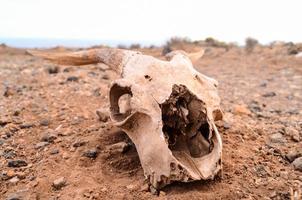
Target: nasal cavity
(185, 124)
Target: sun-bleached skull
(167, 108)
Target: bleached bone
(169, 112)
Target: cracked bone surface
(167, 108)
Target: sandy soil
(48, 122)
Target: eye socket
(120, 98)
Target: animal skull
(168, 112)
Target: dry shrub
(121, 46)
(135, 46)
(175, 43)
(250, 44)
(3, 45)
(294, 49)
(211, 42)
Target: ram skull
(167, 108)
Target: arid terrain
(53, 145)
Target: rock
(17, 113)
(130, 187)
(76, 120)
(269, 94)
(298, 164)
(72, 79)
(17, 163)
(103, 116)
(284, 175)
(162, 193)
(254, 106)
(1, 142)
(144, 188)
(8, 153)
(44, 122)
(14, 196)
(41, 145)
(4, 121)
(14, 180)
(121, 147)
(53, 69)
(226, 125)
(49, 136)
(79, 143)
(261, 171)
(293, 133)
(241, 110)
(273, 194)
(277, 138)
(10, 173)
(26, 125)
(54, 151)
(92, 153)
(292, 155)
(105, 77)
(9, 92)
(153, 190)
(104, 189)
(263, 83)
(65, 156)
(31, 178)
(96, 92)
(296, 138)
(86, 195)
(21, 175)
(59, 183)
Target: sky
(151, 21)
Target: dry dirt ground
(54, 146)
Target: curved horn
(192, 56)
(196, 55)
(114, 58)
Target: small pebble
(102, 115)
(48, 137)
(59, 183)
(41, 145)
(53, 69)
(277, 138)
(293, 133)
(121, 147)
(54, 151)
(26, 125)
(130, 187)
(73, 79)
(14, 196)
(153, 190)
(17, 163)
(241, 110)
(269, 94)
(14, 180)
(92, 153)
(44, 122)
(292, 155)
(79, 143)
(144, 188)
(298, 164)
